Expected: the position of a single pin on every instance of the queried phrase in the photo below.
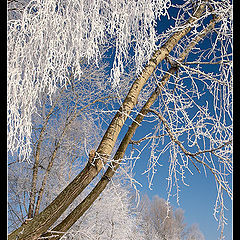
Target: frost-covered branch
(192, 101)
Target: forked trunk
(42, 222)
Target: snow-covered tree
(112, 216)
(159, 221)
(182, 82)
(193, 233)
(63, 134)
(51, 36)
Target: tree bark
(42, 222)
(66, 224)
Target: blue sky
(197, 200)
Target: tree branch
(41, 223)
(193, 155)
(66, 224)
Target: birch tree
(191, 104)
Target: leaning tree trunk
(42, 222)
(58, 231)
(65, 225)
